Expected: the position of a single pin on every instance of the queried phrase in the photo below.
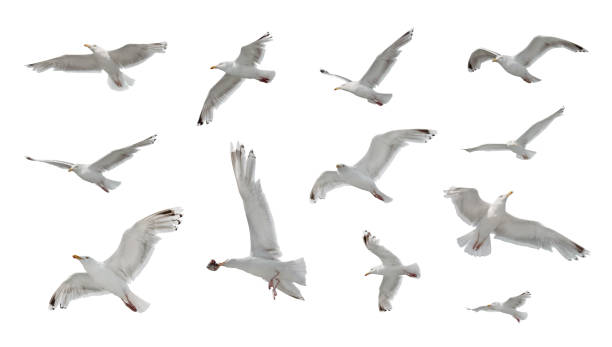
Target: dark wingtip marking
(323, 71)
(52, 302)
(29, 158)
(312, 197)
(382, 309)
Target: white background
(299, 127)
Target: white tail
(381, 196)
(110, 184)
(120, 82)
(412, 269)
(520, 315)
(469, 240)
(526, 155)
(266, 76)
(296, 271)
(135, 303)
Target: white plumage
(363, 175)
(508, 307)
(493, 219)
(113, 275)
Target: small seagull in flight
(364, 88)
(517, 65)
(508, 307)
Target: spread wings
(138, 242)
(134, 54)
(217, 95)
(253, 53)
(468, 204)
(478, 57)
(61, 164)
(78, 285)
(538, 127)
(71, 62)
(517, 301)
(542, 44)
(384, 61)
(259, 218)
(372, 244)
(117, 157)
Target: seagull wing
(478, 57)
(58, 163)
(372, 244)
(533, 234)
(384, 147)
(78, 62)
(468, 204)
(78, 285)
(325, 72)
(386, 291)
(542, 44)
(384, 61)
(259, 218)
(488, 147)
(479, 308)
(118, 156)
(217, 95)
(328, 180)
(517, 301)
(138, 242)
(253, 53)
(538, 127)
(134, 54)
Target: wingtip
(29, 158)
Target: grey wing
(488, 147)
(468, 204)
(134, 54)
(542, 44)
(253, 53)
(384, 147)
(61, 164)
(479, 308)
(373, 245)
(538, 127)
(78, 285)
(533, 234)
(259, 217)
(138, 242)
(217, 95)
(325, 72)
(387, 290)
(478, 57)
(328, 180)
(78, 62)
(117, 157)
(384, 61)
(517, 301)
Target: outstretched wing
(468, 204)
(328, 180)
(259, 218)
(488, 147)
(538, 127)
(72, 62)
(325, 72)
(542, 44)
(117, 157)
(134, 54)
(533, 234)
(384, 147)
(138, 242)
(217, 95)
(78, 285)
(372, 244)
(384, 61)
(517, 301)
(478, 57)
(61, 164)
(387, 290)
(253, 53)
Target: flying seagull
(493, 219)
(94, 172)
(114, 274)
(391, 269)
(517, 65)
(364, 88)
(518, 146)
(508, 307)
(264, 260)
(245, 66)
(102, 60)
(362, 175)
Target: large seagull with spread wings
(264, 260)
(114, 274)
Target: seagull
(94, 172)
(264, 260)
(362, 175)
(518, 146)
(508, 307)
(110, 61)
(517, 65)
(391, 269)
(245, 66)
(115, 273)
(493, 219)
(364, 88)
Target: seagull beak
(494, 60)
(509, 193)
(87, 45)
(213, 67)
(77, 257)
(70, 170)
(368, 273)
(336, 88)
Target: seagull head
(499, 59)
(374, 271)
(342, 87)
(82, 259)
(221, 66)
(94, 48)
(214, 266)
(74, 168)
(340, 166)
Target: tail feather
(135, 303)
(413, 270)
(469, 240)
(110, 184)
(120, 82)
(381, 98)
(296, 271)
(519, 316)
(526, 155)
(381, 196)
(266, 76)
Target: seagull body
(517, 65)
(93, 173)
(518, 146)
(245, 66)
(264, 261)
(391, 269)
(493, 219)
(363, 175)
(364, 88)
(508, 307)
(102, 60)
(114, 275)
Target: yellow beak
(369, 273)
(336, 88)
(494, 60)
(509, 193)
(70, 170)
(87, 45)
(76, 257)
(213, 67)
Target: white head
(500, 59)
(75, 168)
(223, 66)
(340, 167)
(376, 270)
(95, 48)
(345, 86)
(500, 202)
(85, 260)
